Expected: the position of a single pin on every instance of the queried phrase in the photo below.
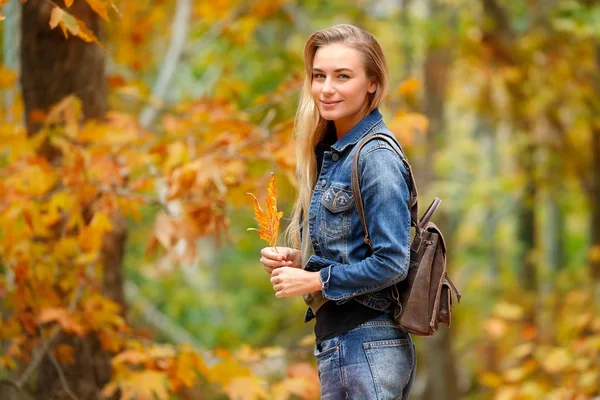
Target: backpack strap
(413, 201)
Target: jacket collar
(359, 130)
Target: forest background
(131, 131)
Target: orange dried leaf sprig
(268, 220)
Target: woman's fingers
(273, 263)
(268, 252)
(272, 259)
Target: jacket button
(323, 182)
(335, 157)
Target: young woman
(360, 353)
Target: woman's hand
(283, 257)
(288, 282)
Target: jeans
(375, 360)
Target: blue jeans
(374, 361)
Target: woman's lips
(330, 103)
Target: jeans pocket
(328, 361)
(391, 363)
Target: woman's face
(340, 86)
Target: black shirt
(334, 319)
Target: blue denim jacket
(348, 269)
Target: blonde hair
(310, 127)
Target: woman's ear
(373, 86)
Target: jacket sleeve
(385, 193)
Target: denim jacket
(347, 267)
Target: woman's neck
(344, 125)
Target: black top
(334, 319)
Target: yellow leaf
(87, 258)
(69, 3)
(69, 110)
(8, 78)
(189, 364)
(224, 372)
(556, 360)
(246, 388)
(594, 253)
(101, 222)
(590, 381)
(248, 354)
(511, 312)
(491, 379)
(518, 374)
(522, 350)
(495, 328)
(268, 220)
(144, 385)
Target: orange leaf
(61, 316)
(70, 24)
(268, 220)
(405, 125)
(64, 353)
(130, 357)
(99, 7)
(409, 86)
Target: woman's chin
(329, 115)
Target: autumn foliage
(268, 220)
(522, 86)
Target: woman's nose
(327, 87)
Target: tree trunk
(52, 68)
(407, 41)
(556, 229)
(595, 185)
(500, 39)
(595, 207)
(439, 359)
(526, 228)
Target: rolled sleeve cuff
(324, 277)
(324, 268)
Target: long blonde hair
(310, 127)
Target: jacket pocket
(337, 205)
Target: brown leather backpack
(423, 299)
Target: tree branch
(61, 376)
(37, 359)
(163, 323)
(179, 30)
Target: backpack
(424, 298)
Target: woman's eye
(343, 76)
(319, 76)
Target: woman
(360, 353)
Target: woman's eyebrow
(335, 70)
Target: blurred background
(130, 133)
